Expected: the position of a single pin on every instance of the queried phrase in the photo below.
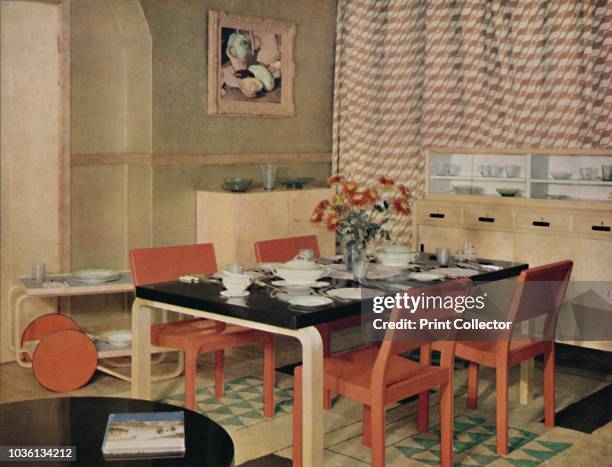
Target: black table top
(261, 307)
(81, 422)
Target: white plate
(397, 264)
(310, 300)
(227, 294)
(347, 293)
(96, 276)
(425, 276)
(300, 285)
(454, 273)
(119, 338)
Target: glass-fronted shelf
(580, 176)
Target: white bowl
(301, 275)
(397, 259)
(119, 338)
(561, 175)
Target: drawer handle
(437, 215)
(601, 228)
(541, 224)
(486, 219)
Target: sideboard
(535, 227)
(235, 221)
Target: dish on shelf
(96, 276)
(606, 173)
(466, 190)
(296, 182)
(557, 197)
(491, 171)
(237, 185)
(508, 192)
(451, 170)
(561, 175)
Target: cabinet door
(537, 250)
(301, 205)
(487, 216)
(596, 224)
(432, 237)
(543, 221)
(259, 216)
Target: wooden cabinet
(235, 221)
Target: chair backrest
(540, 291)
(164, 264)
(280, 250)
(432, 307)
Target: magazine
(146, 434)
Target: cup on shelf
(454, 170)
(606, 173)
(442, 170)
(268, 176)
(587, 173)
(513, 170)
(39, 271)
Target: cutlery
(323, 294)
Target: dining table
(264, 310)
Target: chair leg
(472, 397)
(297, 417)
(367, 426)
(549, 387)
(219, 363)
(190, 378)
(446, 425)
(326, 337)
(423, 417)
(501, 390)
(378, 435)
(269, 369)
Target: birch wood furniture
(233, 222)
(198, 336)
(378, 376)
(539, 290)
(258, 311)
(529, 228)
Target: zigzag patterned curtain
(498, 73)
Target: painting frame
(220, 106)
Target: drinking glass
(39, 271)
(443, 255)
(307, 254)
(268, 176)
(360, 268)
(586, 173)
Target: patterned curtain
(499, 73)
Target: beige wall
(181, 125)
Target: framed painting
(250, 66)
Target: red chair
(281, 250)
(377, 377)
(539, 291)
(197, 336)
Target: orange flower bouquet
(359, 213)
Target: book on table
(146, 434)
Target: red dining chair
(281, 250)
(197, 336)
(539, 291)
(377, 376)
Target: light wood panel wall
(34, 147)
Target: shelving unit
(469, 172)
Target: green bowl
(508, 192)
(296, 182)
(238, 185)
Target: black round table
(81, 422)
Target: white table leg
(312, 396)
(17, 332)
(141, 351)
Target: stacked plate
(96, 276)
(396, 255)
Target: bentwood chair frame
(199, 335)
(508, 351)
(377, 376)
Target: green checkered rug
(241, 407)
(474, 445)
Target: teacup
(236, 283)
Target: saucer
(300, 285)
(227, 294)
(310, 300)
